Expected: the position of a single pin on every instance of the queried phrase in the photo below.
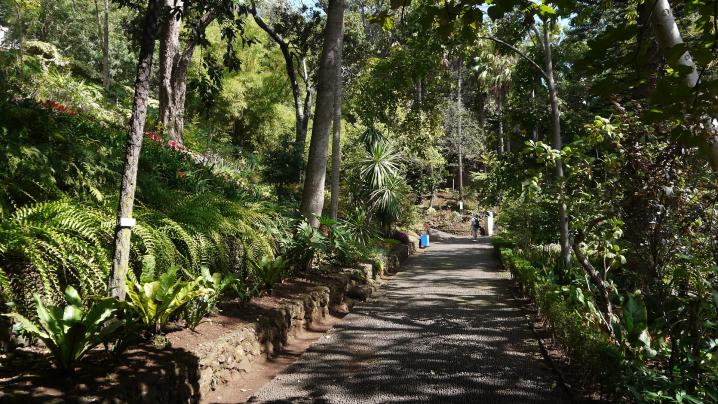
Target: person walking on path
(475, 224)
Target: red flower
(57, 107)
(181, 174)
(175, 145)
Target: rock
(438, 235)
(360, 292)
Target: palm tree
(494, 71)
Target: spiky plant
(379, 163)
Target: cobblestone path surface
(444, 330)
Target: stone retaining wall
(236, 351)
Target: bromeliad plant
(70, 332)
(215, 284)
(269, 271)
(156, 302)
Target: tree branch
(513, 48)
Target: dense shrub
(58, 195)
(582, 342)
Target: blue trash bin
(424, 241)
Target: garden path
(445, 329)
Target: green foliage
(46, 246)
(358, 226)
(156, 302)
(57, 198)
(584, 342)
(70, 332)
(214, 284)
(267, 272)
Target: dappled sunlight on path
(446, 329)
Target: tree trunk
(174, 64)
(103, 30)
(535, 134)
(556, 143)
(301, 109)
(106, 77)
(336, 140)
(313, 193)
(123, 232)
(169, 57)
(459, 130)
(668, 36)
(502, 145)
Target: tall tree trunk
(502, 141)
(123, 232)
(336, 139)
(169, 57)
(103, 30)
(668, 36)
(313, 193)
(174, 65)
(535, 134)
(460, 108)
(556, 143)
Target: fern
(58, 241)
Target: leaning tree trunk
(336, 139)
(301, 107)
(556, 143)
(169, 56)
(123, 231)
(668, 36)
(313, 193)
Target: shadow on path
(445, 329)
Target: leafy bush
(359, 226)
(70, 332)
(306, 245)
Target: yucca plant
(156, 302)
(386, 199)
(70, 332)
(359, 226)
(379, 163)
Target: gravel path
(445, 329)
